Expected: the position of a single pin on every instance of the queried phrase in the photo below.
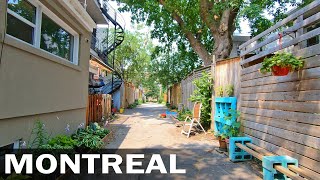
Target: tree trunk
(222, 45)
(223, 36)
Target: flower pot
(163, 115)
(280, 71)
(222, 144)
(121, 110)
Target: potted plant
(229, 89)
(232, 127)
(121, 110)
(222, 141)
(281, 64)
(219, 91)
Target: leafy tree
(205, 25)
(203, 94)
(132, 57)
(172, 67)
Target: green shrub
(183, 114)
(39, 136)
(203, 93)
(62, 141)
(168, 105)
(90, 137)
(131, 106)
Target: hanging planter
(281, 64)
(280, 71)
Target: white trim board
(76, 9)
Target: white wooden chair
(194, 121)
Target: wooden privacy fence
(187, 86)
(227, 72)
(99, 106)
(175, 94)
(281, 113)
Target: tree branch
(195, 43)
(205, 15)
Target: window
(32, 22)
(55, 39)
(21, 20)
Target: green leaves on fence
(203, 94)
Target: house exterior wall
(36, 85)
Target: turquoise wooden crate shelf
(223, 107)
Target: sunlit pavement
(141, 128)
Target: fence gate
(99, 106)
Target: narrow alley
(141, 128)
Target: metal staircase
(115, 36)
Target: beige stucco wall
(37, 85)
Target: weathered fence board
(303, 160)
(290, 145)
(305, 74)
(187, 86)
(307, 140)
(228, 72)
(99, 106)
(282, 113)
(175, 94)
(302, 128)
(304, 85)
(311, 107)
(283, 96)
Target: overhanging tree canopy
(202, 22)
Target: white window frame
(40, 8)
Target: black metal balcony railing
(105, 44)
(115, 37)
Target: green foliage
(131, 106)
(203, 93)
(133, 57)
(282, 59)
(39, 136)
(183, 114)
(171, 67)
(232, 130)
(229, 89)
(168, 31)
(151, 86)
(140, 101)
(90, 137)
(219, 91)
(60, 142)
